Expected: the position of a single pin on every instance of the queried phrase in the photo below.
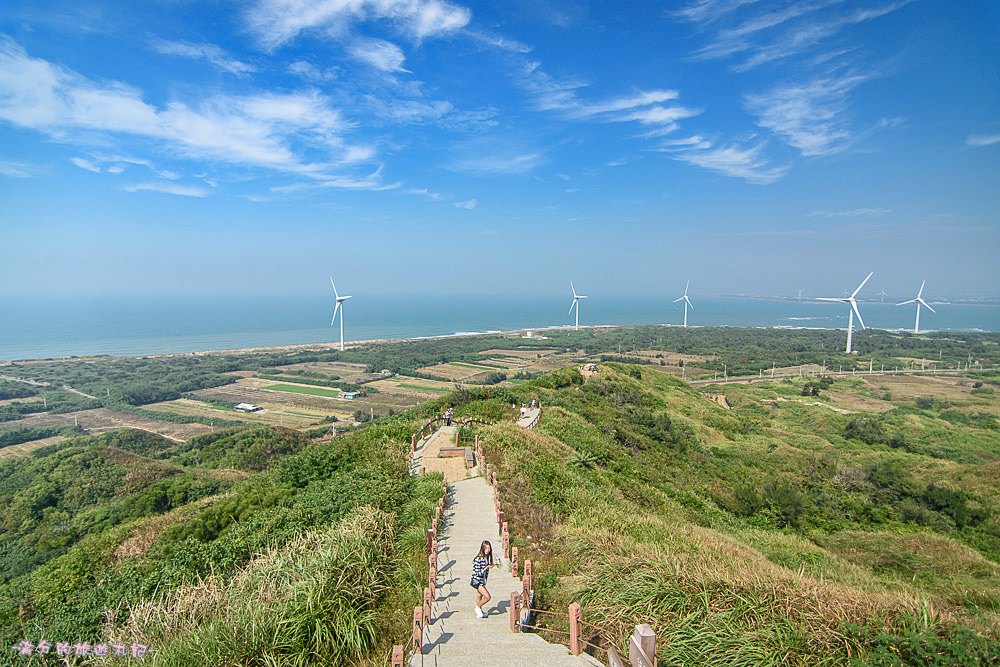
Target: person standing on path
(481, 565)
(448, 414)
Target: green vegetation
(817, 521)
(776, 532)
(234, 547)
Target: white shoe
(479, 613)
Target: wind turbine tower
(576, 304)
(687, 302)
(919, 300)
(852, 312)
(340, 307)
(882, 295)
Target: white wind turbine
(882, 295)
(576, 303)
(687, 302)
(919, 300)
(854, 309)
(340, 307)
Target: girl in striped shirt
(481, 565)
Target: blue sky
(458, 148)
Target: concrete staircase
(456, 637)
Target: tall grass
(311, 603)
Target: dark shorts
(476, 583)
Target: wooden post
(397, 656)
(500, 520)
(432, 572)
(575, 628)
(456, 438)
(515, 611)
(513, 561)
(417, 636)
(642, 647)
(506, 541)
(477, 441)
(526, 584)
(413, 442)
(428, 605)
(430, 540)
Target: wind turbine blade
(571, 305)
(854, 305)
(688, 302)
(906, 302)
(572, 288)
(582, 296)
(927, 305)
(680, 299)
(334, 287)
(686, 287)
(862, 285)
(921, 292)
(830, 298)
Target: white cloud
(769, 36)
(468, 205)
(500, 162)
(732, 160)
(268, 130)
(645, 107)
(86, 164)
(16, 169)
(811, 116)
(853, 213)
(408, 111)
(378, 53)
(982, 139)
(207, 52)
(276, 22)
(424, 192)
(310, 72)
(169, 188)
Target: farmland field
(299, 389)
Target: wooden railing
(522, 612)
(422, 614)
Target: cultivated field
(13, 451)
(101, 419)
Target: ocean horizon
(51, 327)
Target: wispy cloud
(468, 205)
(746, 162)
(424, 192)
(645, 107)
(169, 188)
(710, 11)
(379, 53)
(16, 169)
(761, 37)
(982, 139)
(852, 213)
(809, 116)
(499, 162)
(266, 130)
(276, 22)
(210, 53)
(311, 73)
(85, 164)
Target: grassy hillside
(240, 547)
(783, 530)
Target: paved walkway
(456, 637)
(426, 455)
(529, 418)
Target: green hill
(775, 532)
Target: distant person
(448, 414)
(481, 565)
(524, 411)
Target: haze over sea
(35, 328)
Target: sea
(56, 327)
